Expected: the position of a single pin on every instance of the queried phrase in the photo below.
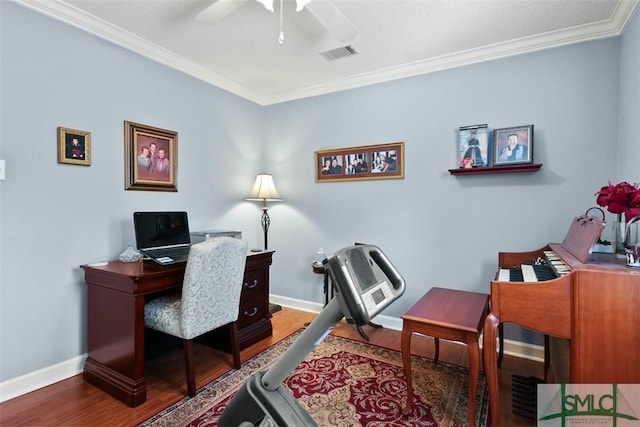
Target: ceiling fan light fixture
(300, 4)
(268, 4)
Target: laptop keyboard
(175, 253)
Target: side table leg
(491, 324)
(405, 346)
(436, 342)
(474, 372)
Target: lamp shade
(264, 189)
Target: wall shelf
(497, 169)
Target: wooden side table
(447, 314)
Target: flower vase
(632, 242)
(619, 228)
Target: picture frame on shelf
(382, 161)
(74, 146)
(513, 145)
(151, 158)
(474, 146)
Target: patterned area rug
(346, 383)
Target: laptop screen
(155, 229)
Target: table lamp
(264, 190)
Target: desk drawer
(252, 299)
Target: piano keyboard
(556, 262)
(549, 268)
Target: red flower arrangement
(622, 198)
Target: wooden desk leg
(115, 344)
(405, 346)
(491, 325)
(474, 372)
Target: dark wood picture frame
(74, 146)
(382, 161)
(513, 145)
(151, 158)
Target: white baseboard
(46, 376)
(41, 378)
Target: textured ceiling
(395, 38)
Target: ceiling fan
(336, 23)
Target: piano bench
(446, 314)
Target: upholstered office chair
(210, 298)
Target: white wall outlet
(3, 175)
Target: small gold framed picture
(74, 146)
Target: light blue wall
(436, 228)
(56, 217)
(439, 230)
(629, 119)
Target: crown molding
(600, 30)
(80, 19)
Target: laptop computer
(162, 236)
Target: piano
(586, 304)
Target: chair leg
(188, 364)
(235, 346)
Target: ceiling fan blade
(332, 19)
(218, 10)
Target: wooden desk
(447, 314)
(116, 295)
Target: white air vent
(341, 52)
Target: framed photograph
(151, 158)
(74, 146)
(385, 161)
(513, 145)
(473, 146)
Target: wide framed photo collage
(384, 161)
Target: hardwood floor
(73, 402)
